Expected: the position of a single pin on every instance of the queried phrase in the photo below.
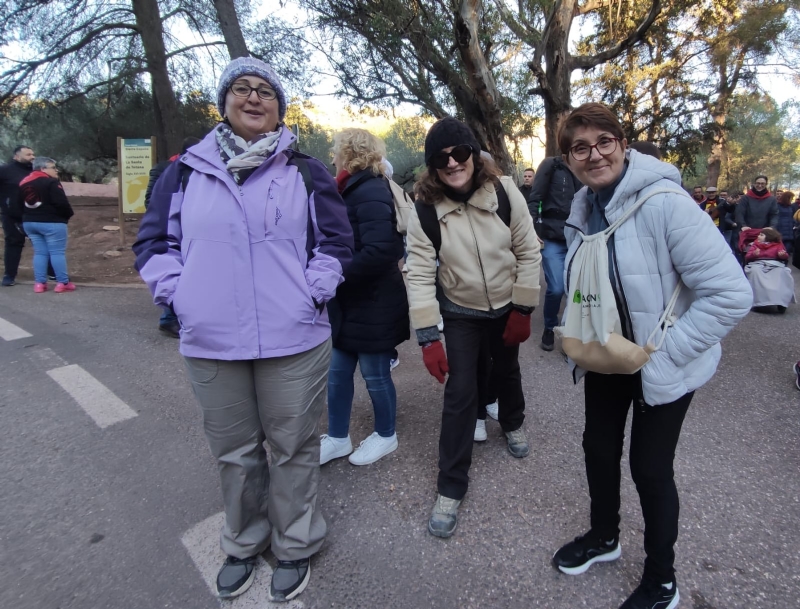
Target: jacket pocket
(286, 215)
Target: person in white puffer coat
(669, 239)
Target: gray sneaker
(444, 517)
(517, 443)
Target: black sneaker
(172, 329)
(548, 340)
(289, 579)
(9, 281)
(235, 576)
(577, 556)
(652, 595)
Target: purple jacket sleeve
(158, 245)
(333, 236)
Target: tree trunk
(719, 153)
(557, 93)
(487, 120)
(231, 29)
(168, 123)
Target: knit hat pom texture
(250, 66)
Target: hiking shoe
(332, 448)
(492, 409)
(651, 594)
(289, 579)
(796, 369)
(480, 431)
(372, 448)
(394, 363)
(517, 443)
(548, 340)
(235, 576)
(64, 287)
(172, 329)
(577, 556)
(444, 518)
(9, 281)
(39, 287)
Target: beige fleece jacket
(483, 264)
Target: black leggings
(654, 436)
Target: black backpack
(429, 221)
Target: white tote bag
(592, 333)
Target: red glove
(435, 360)
(518, 329)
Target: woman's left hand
(518, 329)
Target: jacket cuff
(524, 296)
(424, 316)
(428, 335)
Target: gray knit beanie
(250, 66)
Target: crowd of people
(307, 287)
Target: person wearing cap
(246, 241)
(485, 287)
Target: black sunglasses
(460, 154)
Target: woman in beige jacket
(476, 226)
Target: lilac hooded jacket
(243, 266)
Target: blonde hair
(359, 149)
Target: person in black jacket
(11, 174)
(369, 315)
(549, 203)
(44, 210)
(527, 182)
(168, 323)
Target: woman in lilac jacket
(246, 241)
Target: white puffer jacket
(669, 238)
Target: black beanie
(448, 132)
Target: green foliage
(405, 148)
(313, 139)
(82, 133)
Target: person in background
(44, 211)
(487, 287)
(758, 208)
(11, 174)
(527, 182)
(168, 323)
(768, 246)
(370, 311)
(697, 195)
(648, 148)
(785, 224)
(247, 250)
(549, 203)
(667, 241)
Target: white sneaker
(480, 430)
(333, 448)
(373, 448)
(491, 410)
(394, 363)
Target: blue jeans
(375, 370)
(167, 318)
(553, 255)
(49, 245)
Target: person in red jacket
(768, 246)
(44, 210)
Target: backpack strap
(429, 222)
(186, 172)
(302, 168)
(635, 207)
(503, 204)
(301, 162)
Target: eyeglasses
(460, 154)
(240, 89)
(604, 146)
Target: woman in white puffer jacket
(669, 239)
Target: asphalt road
(126, 516)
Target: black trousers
(467, 342)
(654, 436)
(15, 241)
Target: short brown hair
(360, 150)
(786, 197)
(771, 235)
(587, 115)
(429, 188)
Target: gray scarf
(242, 158)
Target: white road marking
(9, 331)
(96, 399)
(202, 544)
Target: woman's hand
(435, 360)
(518, 329)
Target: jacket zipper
(480, 261)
